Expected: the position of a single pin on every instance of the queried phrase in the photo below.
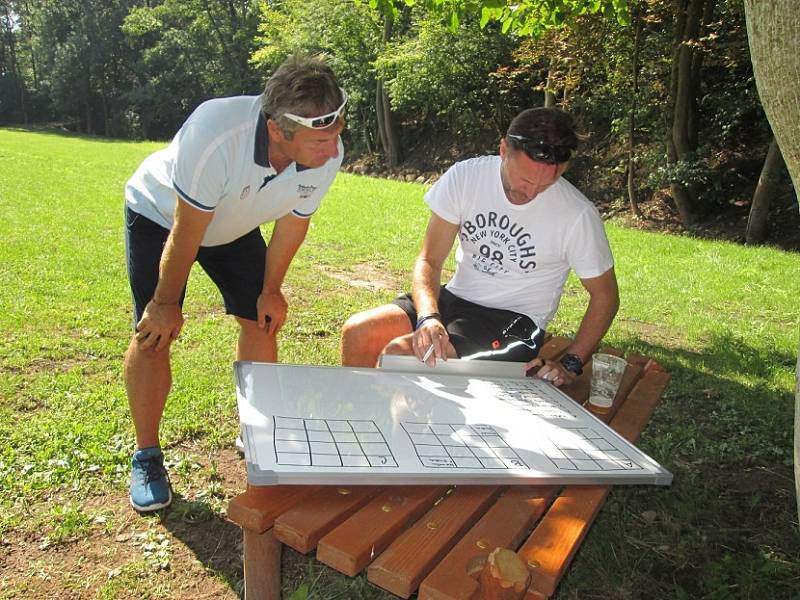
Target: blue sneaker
(150, 488)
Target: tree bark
(686, 68)
(765, 190)
(637, 34)
(549, 96)
(19, 84)
(773, 31)
(383, 111)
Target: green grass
(720, 317)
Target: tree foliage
(448, 71)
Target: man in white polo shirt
(234, 164)
(521, 228)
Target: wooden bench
(436, 539)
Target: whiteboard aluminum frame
(652, 473)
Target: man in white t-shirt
(521, 228)
(234, 164)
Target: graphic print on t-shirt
(497, 244)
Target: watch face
(572, 363)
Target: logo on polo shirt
(304, 191)
(245, 192)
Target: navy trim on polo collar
(261, 149)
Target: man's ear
(503, 148)
(274, 131)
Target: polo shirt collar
(261, 148)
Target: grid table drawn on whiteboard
(584, 449)
(534, 397)
(453, 445)
(330, 443)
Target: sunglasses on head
(322, 121)
(540, 151)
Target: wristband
(424, 318)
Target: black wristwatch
(572, 363)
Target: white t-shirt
(517, 257)
(218, 162)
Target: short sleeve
(445, 197)
(200, 170)
(588, 251)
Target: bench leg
(262, 566)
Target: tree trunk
(549, 96)
(19, 84)
(383, 111)
(637, 31)
(686, 66)
(773, 30)
(765, 190)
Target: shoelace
(154, 470)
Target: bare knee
(366, 333)
(356, 329)
(399, 345)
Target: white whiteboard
(337, 425)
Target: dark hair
(547, 125)
(303, 85)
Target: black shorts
(480, 332)
(237, 268)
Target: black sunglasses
(541, 152)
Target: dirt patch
(369, 276)
(187, 551)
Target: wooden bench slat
(350, 547)
(257, 508)
(302, 526)
(554, 542)
(504, 525)
(401, 567)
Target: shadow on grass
(215, 542)
(727, 527)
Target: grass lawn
(720, 317)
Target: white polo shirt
(218, 163)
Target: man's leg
(147, 379)
(255, 343)
(146, 372)
(403, 346)
(365, 334)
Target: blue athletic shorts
(480, 332)
(237, 268)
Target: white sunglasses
(323, 121)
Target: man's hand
(272, 308)
(159, 325)
(552, 371)
(431, 334)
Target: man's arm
(287, 236)
(162, 319)
(603, 306)
(425, 284)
